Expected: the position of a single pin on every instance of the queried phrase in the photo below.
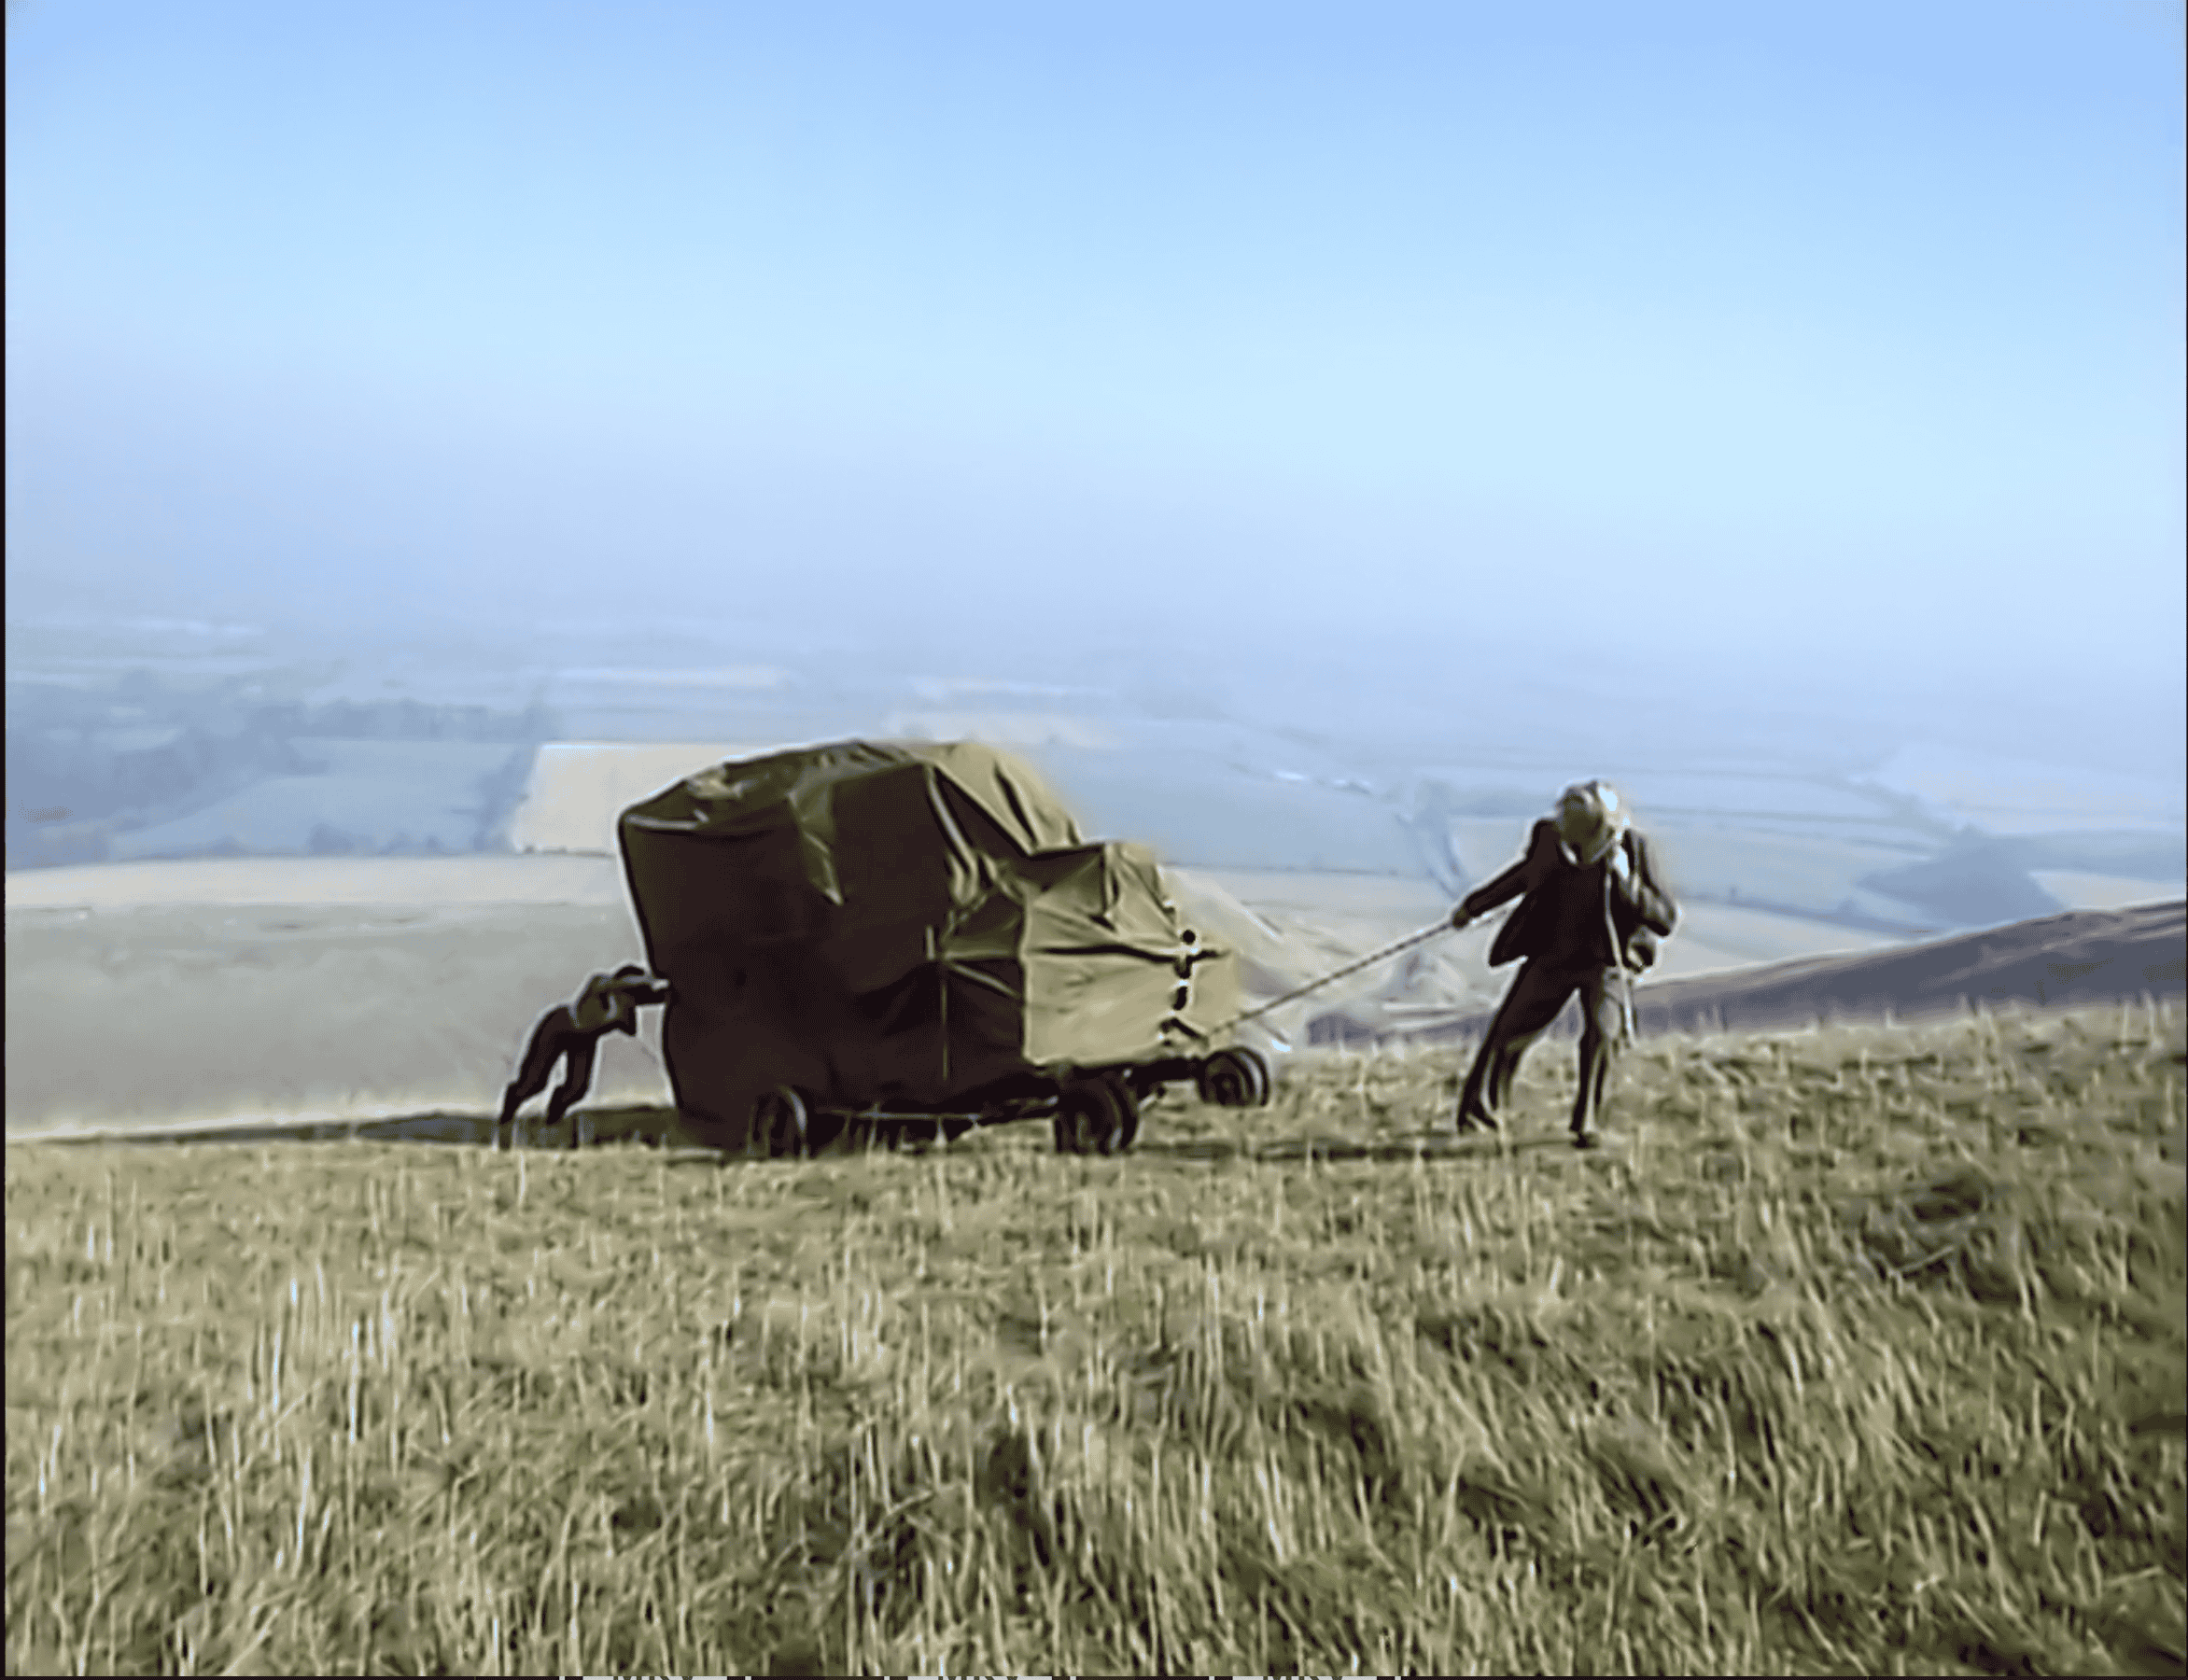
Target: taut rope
(1440, 926)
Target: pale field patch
(2079, 890)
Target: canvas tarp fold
(900, 923)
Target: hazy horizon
(1694, 361)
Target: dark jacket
(1561, 918)
(611, 1003)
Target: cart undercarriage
(1093, 1110)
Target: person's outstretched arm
(1541, 848)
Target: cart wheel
(780, 1123)
(1263, 1079)
(1235, 1078)
(1096, 1116)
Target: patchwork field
(1862, 1352)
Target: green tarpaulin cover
(900, 922)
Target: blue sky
(1832, 343)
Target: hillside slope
(2080, 958)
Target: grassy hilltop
(1864, 1354)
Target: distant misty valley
(153, 740)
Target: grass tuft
(1863, 1351)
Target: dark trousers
(556, 1037)
(1531, 1004)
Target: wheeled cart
(915, 938)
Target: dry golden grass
(1864, 1354)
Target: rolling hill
(2083, 957)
